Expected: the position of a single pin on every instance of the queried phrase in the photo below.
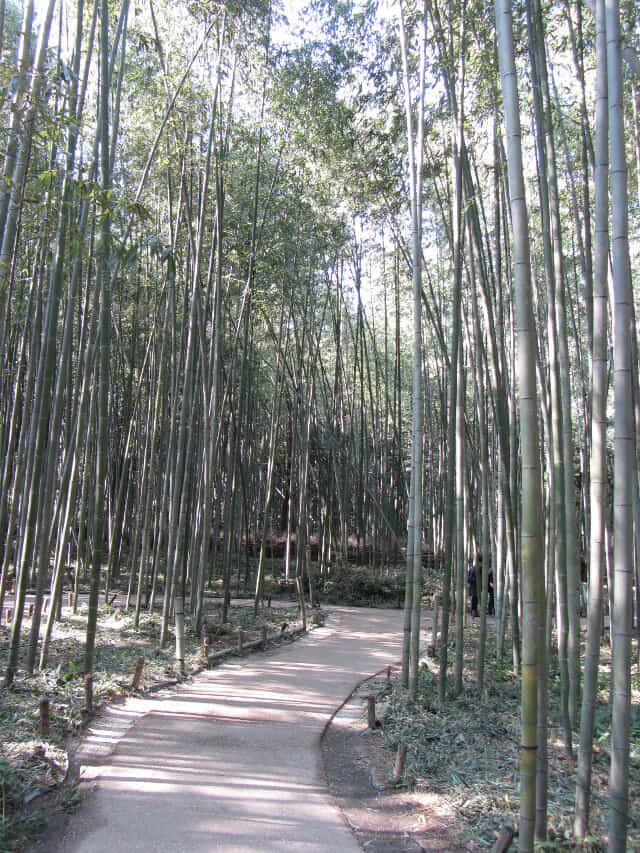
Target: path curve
(230, 761)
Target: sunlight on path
(230, 761)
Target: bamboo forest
(330, 305)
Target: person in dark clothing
(490, 601)
(475, 579)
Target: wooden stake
(70, 600)
(44, 718)
(135, 684)
(240, 640)
(371, 712)
(401, 757)
(388, 674)
(264, 635)
(88, 693)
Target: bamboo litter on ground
(463, 759)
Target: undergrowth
(363, 587)
(467, 751)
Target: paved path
(230, 761)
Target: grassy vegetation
(360, 586)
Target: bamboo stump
(401, 758)
(178, 609)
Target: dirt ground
(384, 817)
(305, 666)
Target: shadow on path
(230, 760)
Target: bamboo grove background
(352, 297)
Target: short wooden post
(240, 640)
(31, 609)
(398, 766)
(371, 712)
(269, 601)
(9, 615)
(44, 718)
(45, 605)
(70, 600)
(88, 692)
(135, 684)
(264, 635)
(388, 674)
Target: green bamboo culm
(531, 548)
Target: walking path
(230, 761)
